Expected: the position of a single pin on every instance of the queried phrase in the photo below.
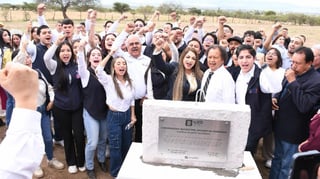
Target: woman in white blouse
(121, 117)
(273, 71)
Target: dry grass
(239, 25)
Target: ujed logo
(189, 122)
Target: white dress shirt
(113, 100)
(22, 149)
(137, 67)
(242, 85)
(221, 88)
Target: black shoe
(103, 166)
(91, 174)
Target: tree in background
(121, 7)
(65, 4)
(167, 8)
(194, 11)
(145, 10)
(26, 7)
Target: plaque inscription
(193, 139)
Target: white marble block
(194, 134)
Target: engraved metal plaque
(193, 139)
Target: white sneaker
(38, 173)
(2, 113)
(268, 163)
(82, 169)
(72, 169)
(54, 163)
(107, 152)
(60, 142)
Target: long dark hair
(4, 44)
(15, 46)
(63, 76)
(103, 44)
(279, 61)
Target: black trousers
(72, 129)
(138, 125)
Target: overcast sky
(302, 6)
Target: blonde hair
(181, 76)
(114, 77)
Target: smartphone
(305, 165)
(128, 126)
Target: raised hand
(22, 83)
(41, 8)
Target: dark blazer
(171, 70)
(204, 66)
(159, 79)
(186, 96)
(39, 62)
(297, 106)
(260, 104)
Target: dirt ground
(63, 174)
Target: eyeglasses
(208, 40)
(139, 25)
(271, 54)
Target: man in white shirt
(220, 87)
(22, 149)
(137, 67)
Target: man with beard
(294, 44)
(234, 43)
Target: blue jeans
(119, 139)
(46, 131)
(96, 139)
(282, 160)
(9, 108)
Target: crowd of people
(93, 84)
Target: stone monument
(194, 134)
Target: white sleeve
(188, 34)
(42, 21)
(50, 63)
(82, 69)
(175, 52)
(103, 77)
(149, 36)
(118, 42)
(200, 33)
(149, 85)
(87, 23)
(229, 93)
(22, 149)
(20, 57)
(113, 27)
